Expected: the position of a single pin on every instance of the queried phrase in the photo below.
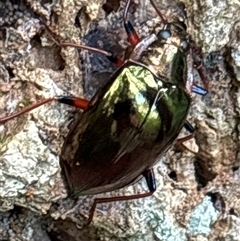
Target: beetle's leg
(69, 100)
(199, 90)
(203, 77)
(188, 126)
(109, 55)
(158, 12)
(150, 179)
(198, 64)
(185, 138)
(190, 129)
(56, 39)
(180, 141)
(133, 37)
(179, 144)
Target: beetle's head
(166, 56)
(175, 34)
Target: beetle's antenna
(158, 12)
(67, 44)
(126, 11)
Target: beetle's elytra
(122, 135)
(133, 119)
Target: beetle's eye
(164, 34)
(185, 44)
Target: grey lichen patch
(210, 22)
(226, 229)
(201, 218)
(23, 170)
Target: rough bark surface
(197, 195)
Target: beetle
(133, 119)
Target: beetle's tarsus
(188, 126)
(199, 90)
(150, 179)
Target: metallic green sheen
(129, 124)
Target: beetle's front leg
(69, 100)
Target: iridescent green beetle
(133, 119)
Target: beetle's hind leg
(69, 100)
(151, 183)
